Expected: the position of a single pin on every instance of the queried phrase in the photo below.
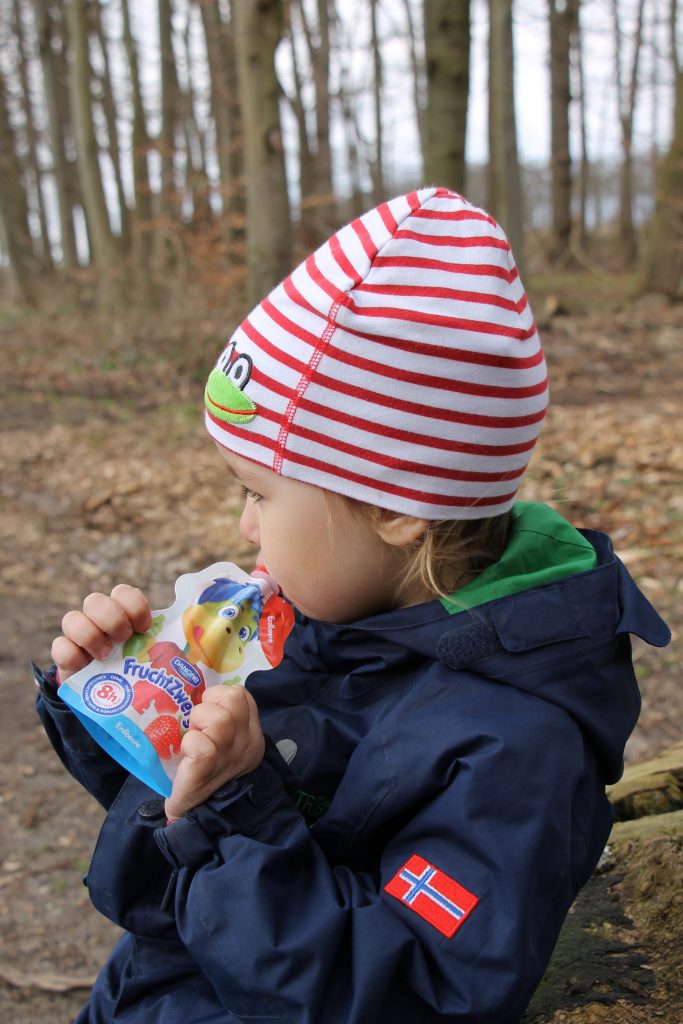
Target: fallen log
(619, 959)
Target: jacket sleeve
(82, 757)
(266, 912)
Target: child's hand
(104, 621)
(223, 742)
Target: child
(392, 825)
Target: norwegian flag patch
(432, 894)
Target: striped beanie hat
(398, 365)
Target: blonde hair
(450, 552)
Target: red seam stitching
(304, 381)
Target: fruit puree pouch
(136, 703)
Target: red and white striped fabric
(399, 364)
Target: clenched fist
(223, 742)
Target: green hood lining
(542, 547)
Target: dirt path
(106, 475)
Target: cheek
(288, 535)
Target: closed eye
(248, 493)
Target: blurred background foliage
(169, 156)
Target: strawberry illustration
(164, 734)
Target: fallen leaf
(46, 981)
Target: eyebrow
(239, 477)
(242, 475)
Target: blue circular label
(107, 694)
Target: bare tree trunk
(673, 22)
(225, 110)
(16, 238)
(348, 113)
(196, 177)
(236, 197)
(220, 106)
(321, 76)
(665, 265)
(627, 103)
(505, 193)
(584, 166)
(655, 95)
(109, 110)
(170, 92)
(419, 73)
(561, 17)
(447, 53)
(306, 161)
(319, 57)
(57, 115)
(140, 142)
(60, 51)
(104, 252)
(378, 186)
(31, 160)
(318, 201)
(258, 29)
(220, 111)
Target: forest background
(163, 163)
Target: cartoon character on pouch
(217, 629)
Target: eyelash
(247, 493)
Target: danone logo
(224, 394)
(187, 671)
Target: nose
(249, 523)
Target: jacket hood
(551, 618)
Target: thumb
(192, 783)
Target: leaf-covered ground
(106, 475)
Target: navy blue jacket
(479, 742)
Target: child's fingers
(219, 702)
(68, 657)
(226, 717)
(85, 633)
(104, 621)
(195, 777)
(225, 696)
(109, 616)
(235, 699)
(224, 742)
(197, 767)
(135, 605)
(204, 716)
(217, 725)
(197, 747)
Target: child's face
(331, 564)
